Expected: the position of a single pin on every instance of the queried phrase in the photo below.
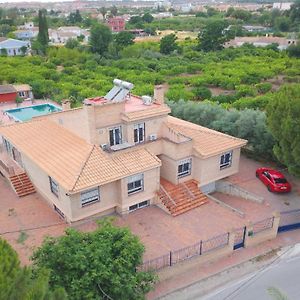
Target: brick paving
(30, 214)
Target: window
(135, 184)
(115, 136)
(184, 167)
(53, 186)
(89, 197)
(226, 160)
(139, 205)
(139, 133)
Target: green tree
(294, 50)
(212, 37)
(283, 120)
(202, 93)
(100, 38)
(72, 43)
(148, 18)
(95, 264)
(9, 267)
(3, 52)
(114, 10)
(103, 12)
(168, 44)
(123, 39)
(43, 37)
(282, 24)
(75, 17)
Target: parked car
(274, 180)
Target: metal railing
(263, 225)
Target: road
(282, 273)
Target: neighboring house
(27, 34)
(13, 47)
(251, 28)
(24, 91)
(117, 154)
(116, 24)
(261, 41)
(63, 34)
(7, 93)
(282, 5)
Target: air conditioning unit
(104, 146)
(153, 137)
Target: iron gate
(239, 238)
(289, 220)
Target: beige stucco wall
(169, 170)
(208, 170)
(151, 186)
(109, 199)
(41, 182)
(74, 120)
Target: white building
(63, 34)
(13, 47)
(282, 5)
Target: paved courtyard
(247, 180)
(24, 222)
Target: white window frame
(89, 197)
(137, 182)
(113, 129)
(140, 135)
(54, 187)
(139, 205)
(186, 171)
(226, 160)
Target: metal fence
(174, 257)
(263, 225)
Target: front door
(17, 156)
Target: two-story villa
(117, 153)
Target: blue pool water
(26, 113)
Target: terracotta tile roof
(101, 168)
(206, 142)
(22, 87)
(146, 113)
(69, 159)
(7, 89)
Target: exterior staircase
(22, 184)
(182, 197)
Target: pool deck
(5, 119)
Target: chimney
(159, 94)
(66, 104)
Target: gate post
(276, 222)
(231, 237)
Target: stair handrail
(168, 195)
(188, 190)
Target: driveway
(26, 221)
(247, 180)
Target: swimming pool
(27, 113)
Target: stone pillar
(159, 94)
(66, 104)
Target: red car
(274, 180)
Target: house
(14, 47)
(282, 5)
(27, 31)
(116, 24)
(7, 93)
(24, 91)
(261, 41)
(117, 153)
(63, 34)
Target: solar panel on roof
(120, 90)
